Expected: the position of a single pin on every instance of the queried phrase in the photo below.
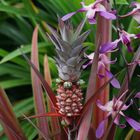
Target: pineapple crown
(69, 49)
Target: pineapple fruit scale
(69, 61)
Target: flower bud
(67, 85)
(81, 82)
(58, 81)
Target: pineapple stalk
(69, 61)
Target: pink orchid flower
(113, 108)
(91, 12)
(137, 95)
(125, 38)
(135, 12)
(102, 64)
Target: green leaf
(1, 129)
(14, 83)
(14, 71)
(12, 10)
(23, 107)
(13, 33)
(18, 61)
(3, 137)
(24, 27)
(29, 130)
(17, 52)
(87, 2)
(122, 2)
(16, 11)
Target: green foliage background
(17, 21)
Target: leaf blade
(40, 107)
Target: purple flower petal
(136, 16)
(101, 75)
(134, 124)
(102, 107)
(91, 56)
(130, 13)
(101, 129)
(129, 47)
(113, 12)
(108, 107)
(107, 15)
(67, 16)
(137, 95)
(125, 38)
(115, 83)
(86, 65)
(109, 46)
(137, 35)
(83, 10)
(125, 107)
(116, 121)
(105, 60)
(134, 4)
(92, 21)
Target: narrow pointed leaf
(54, 123)
(40, 107)
(49, 114)
(47, 73)
(81, 39)
(8, 120)
(53, 36)
(129, 134)
(91, 134)
(54, 41)
(10, 128)
(25, 48)
(79, 28)
(47, 88)
(90, 91)
(53, 32)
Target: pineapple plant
(69, 60)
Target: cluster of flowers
(115, 107)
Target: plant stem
(118, 25)
(71, 133)
(103, 28)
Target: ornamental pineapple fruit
(69, 61)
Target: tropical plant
(79, 103)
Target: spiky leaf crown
(69, 49)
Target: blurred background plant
(18, 19)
